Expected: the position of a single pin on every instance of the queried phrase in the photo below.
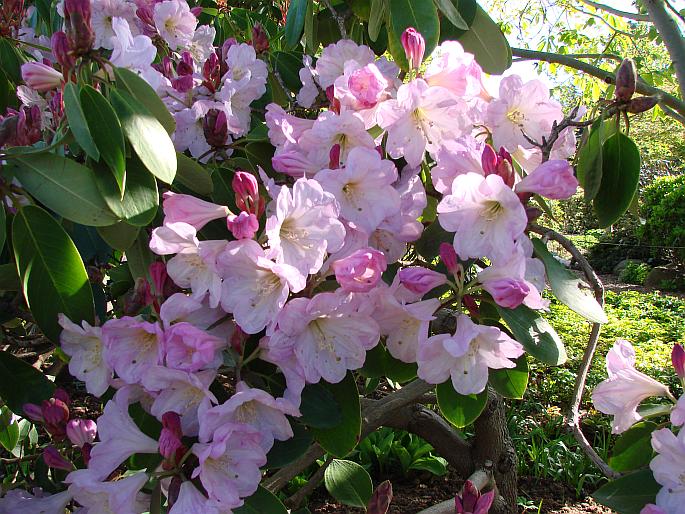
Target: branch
(573, 415)
(296, 499)
(667, 99)
(617, 12)
(670, 33)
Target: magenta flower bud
(507, 292)
(211, 72)
(146, 15)
(40, 77)
(260, 39)
(53, 459)
(159, 276)
(186, 65)
(183, 84)
(334, 154)
(246, 191)
(678, 360)
(414, 47)
(215, 128)
(238, 339)
(381, 499)
(170, 437)
(361, 271)
(553, 179)
(470, 501)
(243, 226)
(642, 104)
(55, 412)
(80, 34)
(420, 280)
(197, 11)
(448, 255)
(499, 163)
(81, 431)
(62, 395)
(626, 80)
(85, 453)
(33, 412)
(61, 50)
(334, 103)
(488, 160)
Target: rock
(662, 274)
(624, 264)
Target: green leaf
(620, 179)
(630, 493)
(460, 410)
(341, 440)
(295, 22)
(420, 14)
(77, 120)
(147, 136)
(9, 280)
(139, 256)
(52, 274)
(377, 18)
(120, 236)
(193, 176)
(452, 14)
(141, 197)
(511, 382)
(288, 65)
(9, 435)
(348, 482)
(467, 10)
(535, 333)
(64, 186)
(566, 286)
(379, 363)
(429, 244)
(261, 502)
(312, 44)
(485, 40)
(284, 452)
(105, 129)
(435, 465)
(319, 407)
(21, 383)
(260, 154)
(633, 449)
(12, 58)
(141, 91)
(589, 158)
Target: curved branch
(617, 12)
(670, 33)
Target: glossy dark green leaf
(64, 186)
(12, 58)
(620, 179)
(77, 120)
(105, 129)
(467, 10)
(9, 433)
(312, 44)
(294, 23)
(630, 493)
(420, 14)
(193, 176)
(485, 40)
(288, 65)
(21, 383)
(9, 280)
(319, 407)
(377, 18)
(52, 274)
(535, 333)
(566, 286)
(460, 410)
(120, 236)
(147, 136)
(261, 502)
(633, 449)
(285, 452)
(139, 256)
(341, 439)
(589, 158)
(143, 92)
(348, 482)
(379, 363)
(451, 12)
(260, 154)
(429, 244)
(511, 382)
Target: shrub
(635, 273)
(664, 212)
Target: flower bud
(334, 155)
(420, 280)
(81, 431)
(246, 191)
(471, 305)
(381, 499)
(642, 104)
(33, 412)
(507, 292)
(211, 72)
(53, 459)
(191, 210)
(243, 226)
(80, 34)
(291, 162)
(61, 50)
(499, 163)
(215, 128)
(40, 77)
(678, 360)
(471, 501)
(197, 11)
(170, 438)
(414, 47)
(448, 255)
(238, 339)
(85, 453)
(626, 79)
(361, 271)
(260, 39)
(55, 412)
(552, 179)
(62, 395)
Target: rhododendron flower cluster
(304, 277)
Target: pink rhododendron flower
(328, 334)
(132, 346)
(122, 496)
(134, 53)
(41, 77)
(181, 307)
(174, 238)
(361, 271)
(466, 356)
(81, 431)
(304, 226)
(18, 501)
(471, 501)
(668, 468)
(650, 508)
(309, 91)
(255, 288)
(452, 68)
(189, 348)
(86, 349)
(552, 179)
(54, 459)
(332, 62)
(420, 280)
(361, 88)
(457, 157)
(175, 23)
(170, 437)
(486, 216)
(508, 285)
(243, 226)
(363, 188)
(191, 210)
(283, 127)
(624, 390)
(192, 501)
(678, 360)
(104, 12)
(678, 412)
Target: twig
(617, 12)
(296, 499)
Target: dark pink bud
(182, 84)
(174, 490)
(21, 128)
(626, 80)
(243, 226)
(448, 255)
(488, 160)
(81, 431)
(53, 459)
(61, 394)
(80, 34)
(381, 499)
(334, 103)
(471, 305)
(211, 72)
(226, 47)
(678, 360)
(186, 64)
(642, 104)
(260, 39)
(85, 453)
(140, 297)
(507, 292)
(61, 51)
(197, 11)
(246, 191)
(238, 338)
(215, 128)
(55, 412)
(56, 104)
(334, 163)
(146, 15)
(414, 47)
(33, 412)
(170, 438)
(499, 163)
(472, 502)
(159, 276)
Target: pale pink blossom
(331, 63)
(104, 12)
(41, 77)
(229, 464)
(284, 357)
(123, 496)
(456, 157)
(191, 210)
(18, 501)
(668, 468)
(293, 161)
(192, 501)
(420, 119)
(466, 356)
(173, 238)
(202, 45)
(132, 346)
(485, 214)
(175, 23)
(309, 91)
(283, 127)
(452, 68)
(624, 390)
(553, 179)
(328, 333)
(678, 412)
(189, 348)
(181, 307)
(129, 51)
(420, 280)
(304, 226)
(361, 271)
(508, 285)
(85, 347)
(243, 226)
(363, 188)
(363, 90)
(255, 288)
(81, 431)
